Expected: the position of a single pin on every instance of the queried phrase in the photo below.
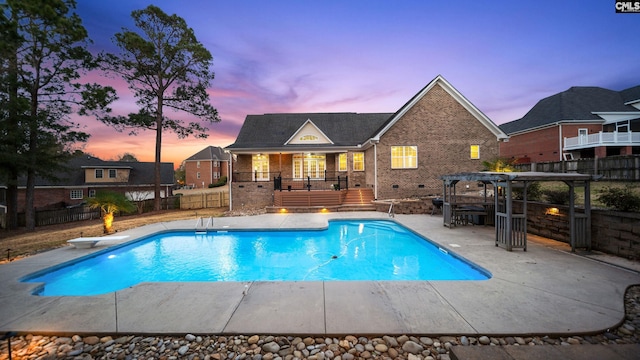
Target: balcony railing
(616, 138)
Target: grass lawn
(596, 188)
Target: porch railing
(601, 139)
(292, 184)
(327, 181)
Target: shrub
(534, 192)
(622, 199)
(222, 181)
(559, 197)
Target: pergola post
(572, 216)
(587, 212)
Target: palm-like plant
(498, 165)
(109, 203)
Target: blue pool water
(346, 250)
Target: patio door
(260, 166)
(309, 165)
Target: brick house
(390, 155)
(582, 122)
(206, 167)
(84, 175)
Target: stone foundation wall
(416, 206)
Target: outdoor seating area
(511, 227)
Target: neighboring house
(582, 122)
(393, 155)
(84, 175)
(206, 167)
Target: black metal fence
(328, 181)
(291, 184)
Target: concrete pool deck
(544, 290)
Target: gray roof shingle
(72, 173)
(271, 131)
(209, 153)
(578, 104)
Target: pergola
(511, 228)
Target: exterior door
(260, 166)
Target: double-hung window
(99, 173)
(342, 162)
(404, 157)
(358, 161)
(76, 194)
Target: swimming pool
(346, 250)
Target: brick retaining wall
(612, 232)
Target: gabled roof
(444, 84)
(270, 132)
(210, 153)
(72, 173)
(577, 104)
(312, 133)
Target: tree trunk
(13, 134)
(29, 210)
(157, 177)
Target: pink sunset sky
(373, 56)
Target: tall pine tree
(44, 58)
(165, 67)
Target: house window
(92, 193)
(99, 174)
(358, 161)
(198, 164)
(76, 194)
(113, 173)
(308, 138)
(342, 162)
(198, 175)
(260, 166)
(309, 165)
(404, 157)
(474, 151)
(216, 175)
(216, 163)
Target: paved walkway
(544, 290)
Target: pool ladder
(392, 213)
(202, 227)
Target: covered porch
(497, 207)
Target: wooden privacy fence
(626, 167)
(62, 216)
(204, 200)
